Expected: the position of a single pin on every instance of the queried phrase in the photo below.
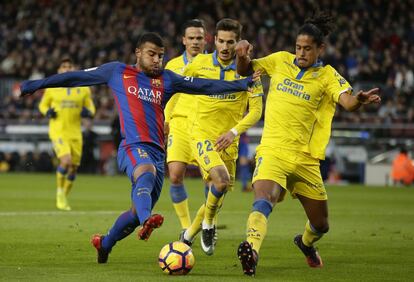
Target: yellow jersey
(217, 113)
(180, 104)
(300, 104)
(68, 104)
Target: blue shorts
(133, 155)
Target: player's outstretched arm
(93, 76)
(243, 61)
(201, 86)
(352, 103)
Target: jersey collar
(232, 66)
(185, 59)
(317, 64)
(302, 71)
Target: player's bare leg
(316, 227)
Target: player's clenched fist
(243, 48)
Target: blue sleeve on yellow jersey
(192, 85)
(93, 76)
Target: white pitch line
(54, 213)
(76, 213)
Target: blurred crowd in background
(373, 44)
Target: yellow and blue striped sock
(257, 223)
(195, 226)
(212, 204)
(67, 185)
(180, 202)
(311, 235)
(60, 177)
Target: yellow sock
(219, 204)
(310, 236)
(215, 220)
(195, 226)
(60, 179)
(183, 213)
(212, 205)
(256, 229)
(67, 186)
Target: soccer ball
(176, 258)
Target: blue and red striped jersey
(140, 99)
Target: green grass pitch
(371, 236)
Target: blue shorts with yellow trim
(295, 171)
(133, 155)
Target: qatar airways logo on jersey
(145, 94)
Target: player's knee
(176, 178)
(65, 165)
(322, 227)
(268, 195)
(65, 161)
(272, 198)
(223, 184)
(325, 228)
(143, 169)
(72, 170)
(261, 194)
(220, 178)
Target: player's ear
(137, 52)
(322, 48)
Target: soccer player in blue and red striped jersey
(141, 92)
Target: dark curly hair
(318, 26)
